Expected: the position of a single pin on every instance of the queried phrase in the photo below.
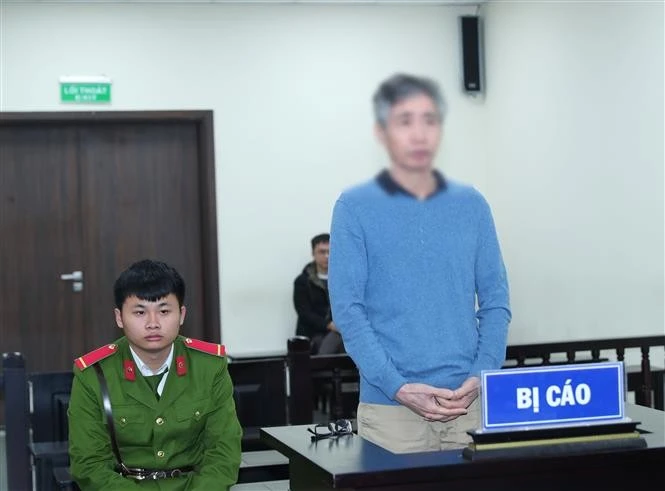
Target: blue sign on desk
(557, 395)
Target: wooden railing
(304, 369)
(305, 372)
(640, 380)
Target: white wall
(290, 87)
(567, 144)
(575, 114)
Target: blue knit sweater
(403, 278)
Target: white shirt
(147, 371)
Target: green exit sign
(85, 90)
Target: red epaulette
(210, 348)
(83, 362)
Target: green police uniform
(193, 423)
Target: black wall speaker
(472, 55)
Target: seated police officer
(153, 410)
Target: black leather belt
(154, 474)
(131, 472)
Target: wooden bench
(63, 479)
(259, 391)
(282, 485)
(306, 370)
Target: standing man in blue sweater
(417, 283)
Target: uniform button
(159, 421)
(160, 454)
(197, 413)
(123, 421)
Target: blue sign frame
(561, 395)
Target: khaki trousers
(400, 430)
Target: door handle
(73, 276)
(76, 277)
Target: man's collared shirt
(146, 371)
(390, 186)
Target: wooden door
(39, 239)
(147, 207)
(93, 193)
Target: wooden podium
(349, 462)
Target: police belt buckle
(141, 474)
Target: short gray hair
(402, 86)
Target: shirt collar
(390, 186)
(145, 369)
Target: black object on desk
(351, 463)
(547, 441)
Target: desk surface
(353, 463)
(256, 355)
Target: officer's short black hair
(149, 280)
(320, 239)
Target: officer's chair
(36, 423)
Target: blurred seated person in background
(310, 298)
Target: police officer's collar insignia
(129, 370)
(205, 347)
(89, 359)
(180, 366)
